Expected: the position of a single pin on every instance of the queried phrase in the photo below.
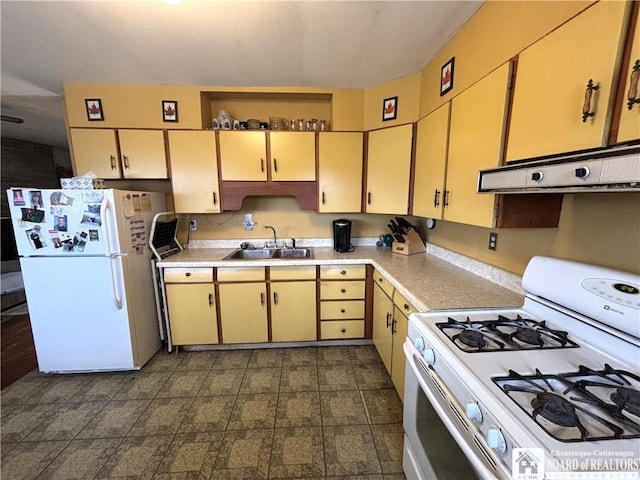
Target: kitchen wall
(289, 220)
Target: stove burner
(471, 338)
(528, 335)
(627, 399)
(555, 409)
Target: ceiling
(332, 44)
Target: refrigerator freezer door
(55, 222)
(76, 324)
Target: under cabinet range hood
(604, 170)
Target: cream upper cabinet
(339, 172)
(432, 142)
(629, 126)
(475, 142)
(388, 170)
(194, 171)
(551, 87)
(293, 156)
(243, 155)
(95, 150)
(142, 153)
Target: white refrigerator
(85, 261)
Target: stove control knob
(473, 412)
(419, 343)
(496, 440)
(429, 355)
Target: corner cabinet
(193, 151)
(115, 154)
(388, 170)
(340, 172)
(554, 109)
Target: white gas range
(550, 390)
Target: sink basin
(268, 253)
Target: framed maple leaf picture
(389, 108)
(169, 111)
(94, 109)
(446, 76)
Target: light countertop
(428, 282)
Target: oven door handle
(413, 355)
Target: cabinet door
(551, 81)
(340, 172)
(194, 171)
(400, 331)
(293, 156)
(143, 153)
(432, 142)
(382, 317)
(95, 150)
(388, 170)
(629, 127)
(475, 142)
(192, 313)
(293, 311)
(243, 155)
(243, 312)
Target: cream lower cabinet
(141, 153)
(340, 172)
(342, 301)
(243, 304)
(388, 170)
(293, 303)
(399, 329)
(194, 171)
(191, 306)
(383, 319)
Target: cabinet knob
(343, 290)
(188, 274)
(632, 96)
(343, 330)
(342, 310)
(343, 272)
(406, 307)
(586, 108)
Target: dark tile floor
(309, 412)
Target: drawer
(240, 274)
(403, 304)
(188, 275)
(342, 309)
(339, 329)
(339, 272)
(342, 290)
(383, 282)
(299, 272)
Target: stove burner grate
(503, 333)
(583, 404)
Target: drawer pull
(275, 164)
(324, 200)
(388, 319)
(343, 290)
(343, 272)
(380, 279)
(113, 160)
(188, 274)
(215, 198)
(210, 300)
(262, 164)
(342, 310)
(368, 198)
(261, 299)
(126, 161)
(436, 198)
(275, 298)
(406, 307)
(343, 330)
(393, 327)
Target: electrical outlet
(493, 240)
(193, 225)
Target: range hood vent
(604, 170)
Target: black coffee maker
(342, 235)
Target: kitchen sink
(269, 253)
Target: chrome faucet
(275, 238)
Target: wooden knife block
(413, 244)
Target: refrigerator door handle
(117, 296)
(105, 207)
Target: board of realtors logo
(527, 464)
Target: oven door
(434, 447)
